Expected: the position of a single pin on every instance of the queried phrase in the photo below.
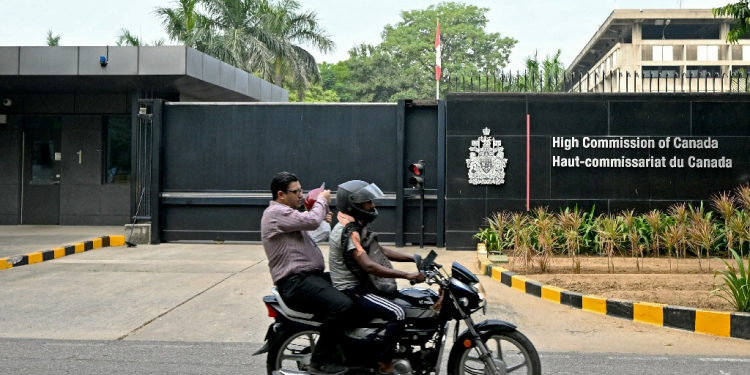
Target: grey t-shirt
(341, 277)
(320, 234)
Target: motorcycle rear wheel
(293, 352)
(514, 349)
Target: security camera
(7, 102)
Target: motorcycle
(492, 347)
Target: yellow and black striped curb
(59, 252)
(718, 323)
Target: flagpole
(438, 66)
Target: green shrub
(736, 288)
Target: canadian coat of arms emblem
(486, 161)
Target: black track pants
(313, 293)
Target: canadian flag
(438, 59)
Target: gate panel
(219, 159)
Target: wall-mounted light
(104, 60)
(7, 102)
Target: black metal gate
(217, 160)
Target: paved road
(196, 308)
(29, 356)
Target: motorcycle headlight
(463, 301)
(477, 287)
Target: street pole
(421, 217)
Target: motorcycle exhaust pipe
(289, 372)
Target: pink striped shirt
(288, 247)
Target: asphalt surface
(196, 308)
(30, 356)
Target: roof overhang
(619, 24)
(170, 69)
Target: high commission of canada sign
(635, 143)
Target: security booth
(68, 124)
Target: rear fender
(278, 331)
(274, 334)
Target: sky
(538, 25)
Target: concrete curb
(718, 323)
(59, 252)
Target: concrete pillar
(637, 55)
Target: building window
(661, 71)
(703, 72)
(117, 148)
(708, 53)
(663, 53)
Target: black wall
(649, 116)
(10, 171)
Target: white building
(662, 50)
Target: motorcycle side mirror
(418, 261)
(430, 258)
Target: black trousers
(313, 293)
(369, 306)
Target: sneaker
(326, 369)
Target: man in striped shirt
(297, 266)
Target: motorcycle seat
(287, 310)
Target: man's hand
(418, 276)
(326, 194)
(329, 218)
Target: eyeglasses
(296, 192)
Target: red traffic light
(417, 168)
(417, 171)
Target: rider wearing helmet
(360, 266)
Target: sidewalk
(23, 239)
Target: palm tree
(547, 75)
(260, 36)
(183, 22)
(282, 19)
(53, 40)
(126, 38)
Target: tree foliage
(539, 76)
(741, 13)
(265, 37)
(53, 40)
(126, 38)
(467, 48)
(403, 64)
(315, 94)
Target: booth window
(117, 147)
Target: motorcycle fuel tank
(416, 302)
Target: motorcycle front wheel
(293, 352)
(512, 352)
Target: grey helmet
(351, 195)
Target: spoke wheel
(512, 353)
(294, 352)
